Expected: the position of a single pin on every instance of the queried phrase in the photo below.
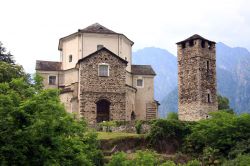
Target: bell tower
(196, 78)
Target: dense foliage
(164, 131)
(224, 132)
(222, 137)
(5, 56)
(145, 158)
(223, 104)
(35, 128)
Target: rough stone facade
(100, 97)
(196, 78)
(94, 88)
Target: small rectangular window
(139, 82)
(99, 47)
(70, 58)
(208, 98)
(52, 80)
(208, 66)
(103, 70)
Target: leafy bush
(35, 128)
(222, 132)
(168, 163)
(240, 160)
(193, 163)
(164, 131)
(172, 116)
(138, 126)
(107, 125)
(119, 159)
(145, 158)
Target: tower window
(203, 44)
(208, 66)
(209, 45)
(191, 43)
(183, 45)
(70, 58)
(99, 46)
(52, 80)
(103, 70)
(208, 98)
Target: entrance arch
(102, 110)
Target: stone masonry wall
(195, 81)
(94, 88)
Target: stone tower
(196, 78)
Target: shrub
(172, 116)
(193, 163)
(240, 160)
(168, 163)
(119, 159)
(138, 126)
(141, 158)
(222, 132)
(107, 125)
(164, 131)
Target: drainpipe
(118, 45)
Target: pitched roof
(94, 28)
(97, 28)
(195, 36)
(102, 49)
(48, 65)
(142, 70)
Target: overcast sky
(31, 29)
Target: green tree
(5, 56)
(11, 71)
(35, 128)
(221, 132)
(223, 104)
(172, 116)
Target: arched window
(70, 58)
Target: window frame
(140, 78)
(70, 58)
(103, 64)
(49, 79)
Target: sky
(31, 29)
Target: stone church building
(97, 78)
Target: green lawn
(116, 135)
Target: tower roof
(194, 37)
(97, 28)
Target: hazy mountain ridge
(233, 75)
(166, 70)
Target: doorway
(102, 107)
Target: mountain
(164, 64)
(233, 76)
